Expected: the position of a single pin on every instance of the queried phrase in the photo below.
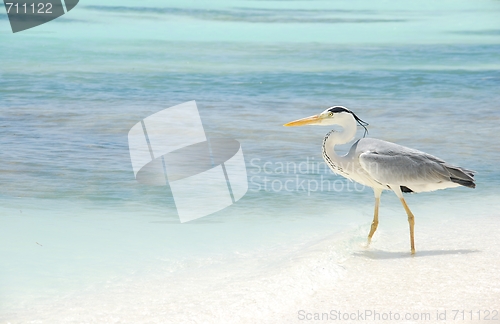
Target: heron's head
(336, 115)
(332, 116)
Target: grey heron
(384, 165)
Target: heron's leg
(411, 218)
(411, 221)
(377, 193)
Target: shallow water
(75, 221)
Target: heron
(383, 165)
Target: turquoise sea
(81, 241)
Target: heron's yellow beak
(304, 121)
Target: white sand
(457, 267)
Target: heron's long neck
(336, 138)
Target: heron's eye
(330, 114)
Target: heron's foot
(368, 242)
(372, 231)
(412, 251)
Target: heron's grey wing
(390, 163)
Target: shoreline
(334, 273)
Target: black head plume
(339, 109)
